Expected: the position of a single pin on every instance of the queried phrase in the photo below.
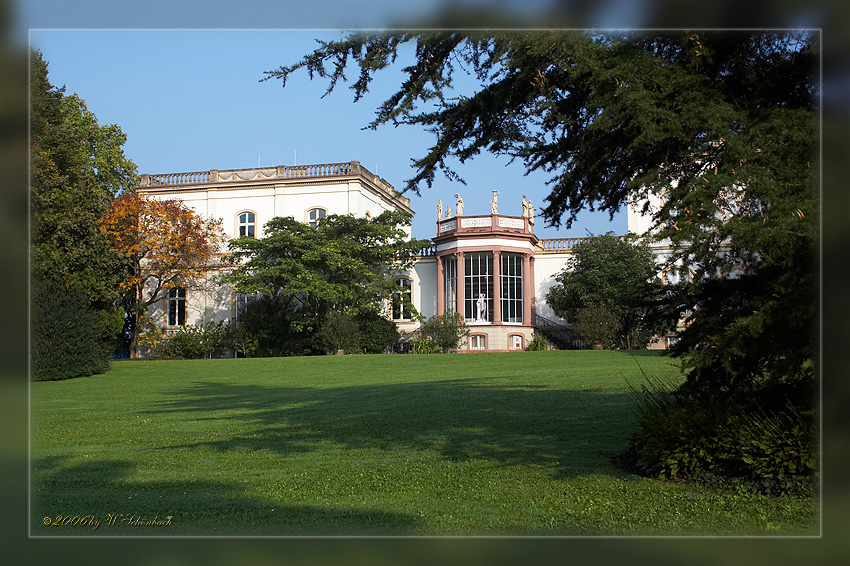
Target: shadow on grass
(570, 432)
(182, 508)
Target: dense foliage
(442, 333)
(165, 245)
(191, 342)
(77, 167)
(762, 445)
(66, 337)
(343, 265)
(610, 288)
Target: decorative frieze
(448, 226)
(474, 222)
(511, 222)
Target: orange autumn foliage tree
(165, 245)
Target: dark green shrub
(683, 437)
(445, 331)
(424, 346)
(537, 344)
(195, 342)
(339, 332)
(378, 334)
(66, 335)
(272, 325)
(597, 325)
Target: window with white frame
(176, 307)
(401, 300)
(315, 215)
(511, 280)
(450, 283)
(478, 342)
(478, 287)
(247, 224)
(516, 342)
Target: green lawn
(488, 444)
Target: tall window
(247, 224)
(314, 215)
(450, 285)
(177, 307)
(511, 280)
(401, 300)
(242, 302)
(478, 287)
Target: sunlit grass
(491, 444)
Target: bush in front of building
(272, 326)
(445, 331)
(192, 342)
(598, 325)
(377, 333)
(537, 344)
(339, 333)
(66, 336)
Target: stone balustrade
(556, 245)
(260, 173)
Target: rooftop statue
(459, 209)
(439, 210)
(494, 203)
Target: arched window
(314, 215)
(177, 307)
(515, 341)
(247, 224)
(478, 342)
(401, 300)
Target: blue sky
(192, 100)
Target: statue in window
(481, 306)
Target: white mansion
(491, 268)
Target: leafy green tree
(721, 129)
(618, 275)
(76, 168)
(344, 265)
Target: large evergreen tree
(77, 166)
(719, 128)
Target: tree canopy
(619, 275)
(716, 132)
(345, 264)
(165, 245)
(77, 167)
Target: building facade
(489, 267)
